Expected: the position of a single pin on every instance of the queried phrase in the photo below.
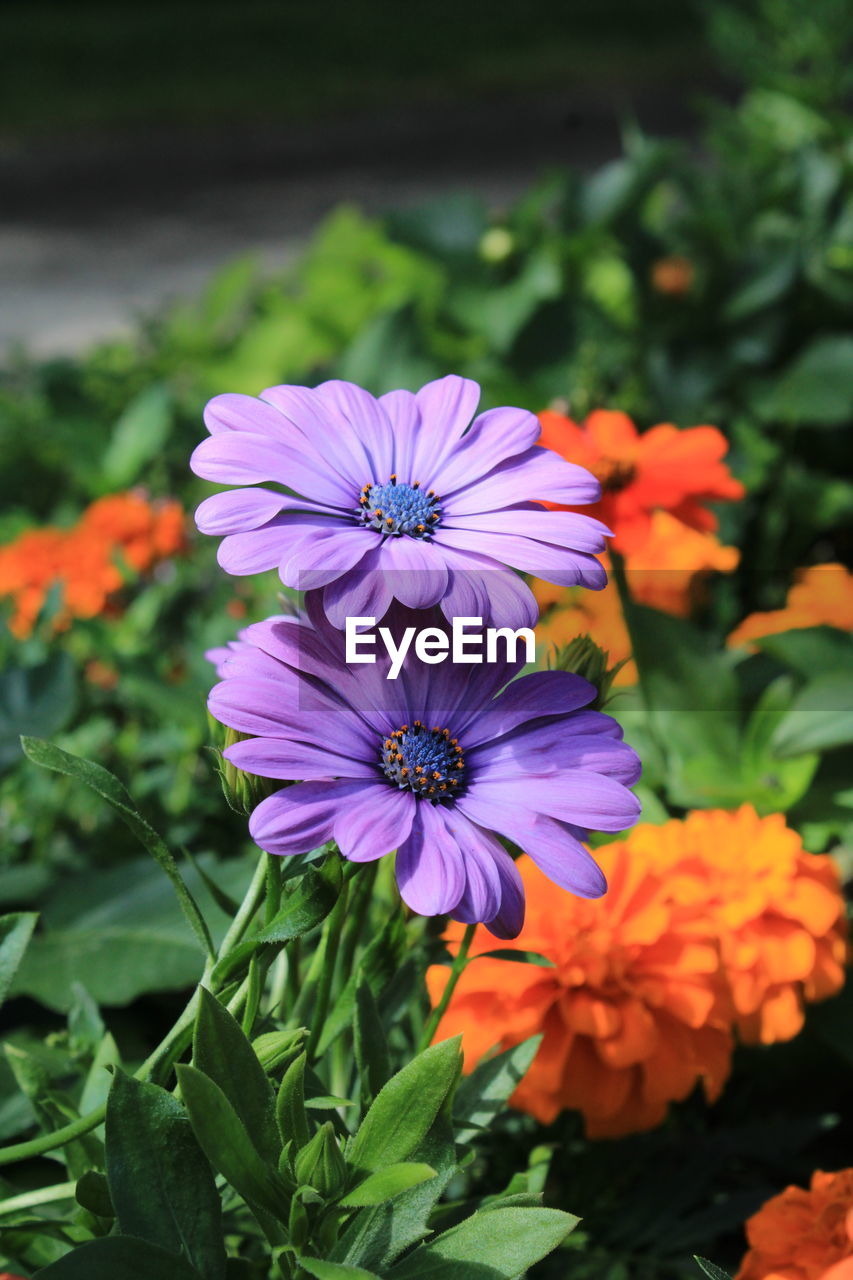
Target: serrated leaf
(222, 1052)
(161, 1185)
(15, 932)
(228, 1147)
(483, 1093)
(500, 1244)
(405, 1108)
(120, 1258)
(106, 785)
(386, 1184)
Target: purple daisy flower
(435, 764)
(402, 497)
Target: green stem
(329, 951)
(460, 960)
(172, 1045)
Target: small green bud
(275, 1049)
(496, 244)
(584, 657)
(243, 791)
(320, 1164)
(298, 1227)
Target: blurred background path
(132, 165)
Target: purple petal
(446, 406)
(551, 846)
(244, 457)
(509, 920)
(238, 510)
(316, 415)
(300, 818)
(362, 593)
(482, 897)
(559, 528)
(541, 693)
(234, 412)
(375, 822)
(405, 418)
(583, 798)
(416, 572)
(562, 565)
(299, 761)
(320, 556)
(430, 870)
(535, 475)
(371, 426)
(494, 436)
(550, 750)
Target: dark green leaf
(377, 966)
(482, 1094)
(405, 1108)
(816, 388)
(306, 907)
(38, 699)
(228, 1147)
(516, 957)
(386, 1184)
(110, 789)
(498, 1244)
(161, 1185)
(93, 1193)
(370, 1044)
(334, 1270)
(222, 1052)
(15, 932)
(119, 1258)
(290, 1104)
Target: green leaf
(496, 1244)
(811, 650)
(138, 437)
(377, 966)
(161, 1185)
(335, 1270)
(820, 717)
(36, 699)
(516, 957)
(405, 1108)
(307, 906)
(386, 1184)
(222, 1052)
(290, 1104)
(370, 1044)
(377, 1237)
(482, 1094)
(93, 1193)
(711, 1269)
(110, 789)
(816, 388)
(228, 1147)
(15, 932)
(120, 932)
(120, 1258)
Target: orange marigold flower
(821, 596)
(777, 910)
(803, 1235)
(673, 275)
(634, 1012)
(86, 561)
(662, 468)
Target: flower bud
(583, 657)
(320, 1164)
(276, 1048)
(243, 791)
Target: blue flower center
(426, 761)
(396, 508)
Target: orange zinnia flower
(634, 1012)
(777, 910)
(803, 1235)
(86, 561)
(664, 572)
(662, 469)
(821, 596)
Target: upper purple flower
(431, 764)
(396, 498)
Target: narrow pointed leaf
(483, 1093)
(15, 932)
(387, 1183)
(499, 1243)
(110, 789)
(222, 1052)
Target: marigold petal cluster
(718, 921)
(803, 1235)
(821, 596)
(664, 468)
(634, 1012)
(89, 561)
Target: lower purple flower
(435, 764)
